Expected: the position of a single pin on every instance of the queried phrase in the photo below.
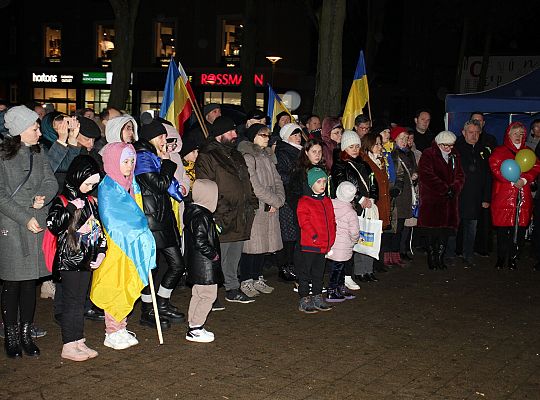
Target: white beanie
(18, 119)
(445, 137)
(346, 191)
(348, 138)
(287, 130)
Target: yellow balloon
(525, 159)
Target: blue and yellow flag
(358, 95)
(131, 251)
(176, 107)
(275, 106)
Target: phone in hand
(267, 207)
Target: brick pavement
(415, 334)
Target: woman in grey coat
(27, 183)
(265, 231)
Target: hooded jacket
(113, 130)
(347, 231)
(317, 223)
(504, 193)
(60, 217)
(155, 184)
(201, 236)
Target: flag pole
(198, 114)
(154, 305)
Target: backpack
(49, 240)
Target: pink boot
(72, 352)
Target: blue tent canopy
(518, 100)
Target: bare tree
(248, 54)
(125, 13)
(328, 85)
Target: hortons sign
(229, 79)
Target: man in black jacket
(476, 193)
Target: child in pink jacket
(348, 232)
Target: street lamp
(273, 60)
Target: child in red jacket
(317, 235)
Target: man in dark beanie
(220, 162)
(154, 172)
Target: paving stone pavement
(415, 334)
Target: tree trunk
(248, 54)
(125, 12)
(328, 86)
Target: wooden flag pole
(154, 305)
(198, 114)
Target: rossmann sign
(229, 79)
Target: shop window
(53, 43)
(99, 98)
(165, 45)
(231, 40)
(63, 100)
(231, 98)
(151, 100)
(105, 43)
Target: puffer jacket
(347, 231)
(504, 193)
(60, 217)
(317, 224)
(156, 196)
(357, 172)
(202, 246)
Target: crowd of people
(217, 205)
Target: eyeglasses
(264, 135)
(447, 145)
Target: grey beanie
(18, 119)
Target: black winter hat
(190, 142)
(220, 126)
(152, 130)
(253, 130)
(89, 128)
(210, 107)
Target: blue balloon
(510, 170)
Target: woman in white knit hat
(350, 167)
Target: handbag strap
(360, 175)
(25, 178)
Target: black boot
(167, 310)
(440, 255)
(27, 342)
(148, 317)
(12, 342)
(286, 274)
(500, 263)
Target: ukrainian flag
(175, 107)
(358, 95)
(131, 250)
(275, 106)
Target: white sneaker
(248, 288)
(199, 335)
(48, 289)
(130, 337)
(261, 286)
(116, 340)
(350, 283)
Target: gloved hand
(394, 192)
(450, 193)
(99, 259)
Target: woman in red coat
(440, 179)
(504, 196)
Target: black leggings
(18, 301)
(505, 240)
(251, 266)
(286, 255)
(75, 286)
(175, 268)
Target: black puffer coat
(202, 246)
(156, 200)
(60, 217)
(287, 158)
(348, 169)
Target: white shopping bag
(370, 233)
